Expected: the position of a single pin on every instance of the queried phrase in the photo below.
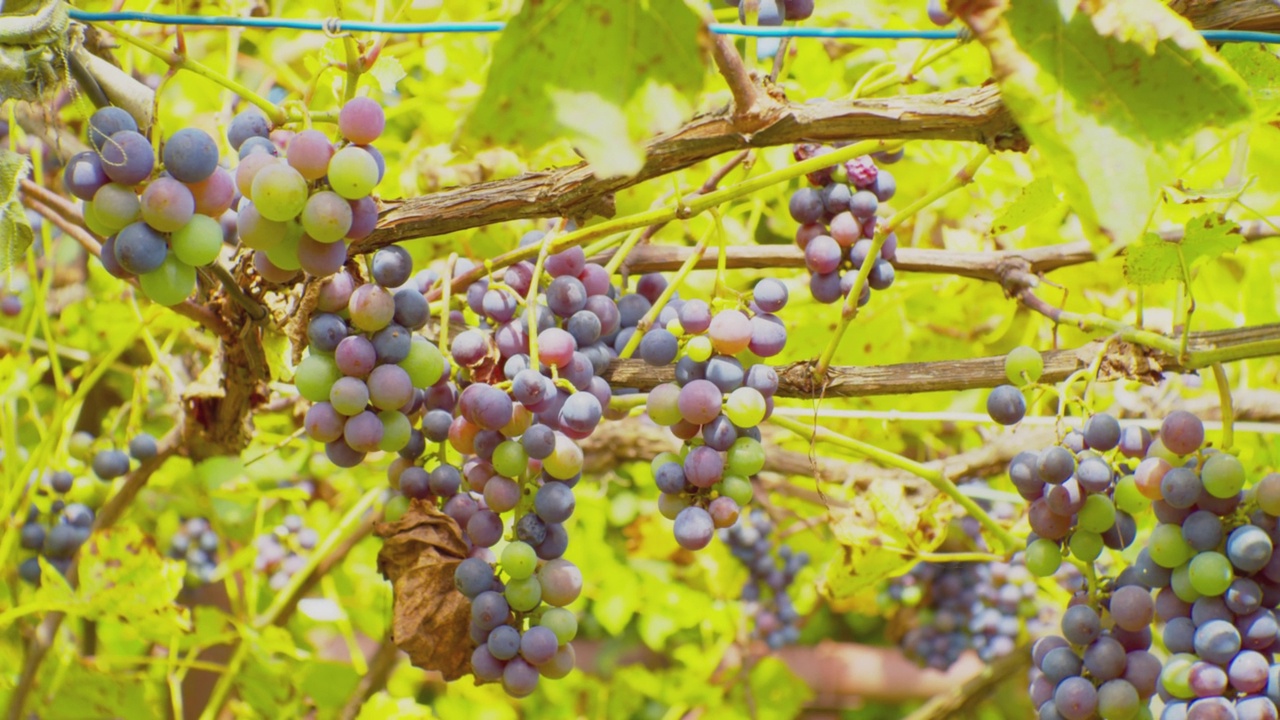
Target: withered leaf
(419, 555)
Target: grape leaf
(388, 71)
(880, 533)
(587, 70)
(15, 230)
(419, 555)
(1035, 200)
(1109, 93)
(121, 568)
(1154, 260)
(1260, 70)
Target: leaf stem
(935, 477)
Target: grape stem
(667, 293)
(444, 304)
(180, 61)
(1226, 405)
(935, 477)
(691, 207)
(850, 309)
(531, 301)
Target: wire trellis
(336, 25)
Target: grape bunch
(196, 543)
(366, 372)
(283, 551)
(837, 216)
(1210, 563)
(772, 569)
(158, 229)
(714, 407)
(299, 211)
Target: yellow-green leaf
(1035, 200)
(15, 231)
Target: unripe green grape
(745, 407)
(1167, 547)
(284, 254)
(524, 594)
(1085, 545)
(93, 222)
(1222, 475)
(1267, 493)
(326, 217)
(510, 459)
(115, 206)
(396, 430)
(424, 364)
(1021, 361)
(315, 377)
(669, 506)
(519, 560)
(198, 242)
(1098, 514)
(698, 348)
(1176, 675)
(1210, 573)
(662, 404)
(1129, 498)
(746, 457)
(353, 173)
(737, 488)
(1043, 557)
(1180, 581)
(169, 284)
(565, 461)
(561, 622)
(279, 192)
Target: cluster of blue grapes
(196, 543)
(283, 551)
(982, 606)
(366, 372)
(157, 229)
(772, 13)
(298, 211)
(772, 570)
(837, 216)
(1209, 560)
(707, 483)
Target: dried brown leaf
(419, 555)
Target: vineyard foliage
(236, 571)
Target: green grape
(1210, 573)
(745, 407)
(257, 232)
(662, 404)
(279, 192)
(519, 560)
(1158, 449)
(565, 461)
(1181, 584)
(326, 217)
(116, 206)
(396, 429)
(698, 348)
(561, 622)
(353, 173)
(1023, 361)
(1176, 676)
(1222, 475)
(524, 594)
(510, 459)
(315, 376)
(1267, 494)
(284, 254)
(1098, 514)
(1044, 557)
(169, 284)
(424, 364)
(746, 457)
(93, 222)
(198, 242)
(1085, 545)
(737, 488)
(1167, 547)
(1129, 498)
(912, 595)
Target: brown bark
(1235, 15)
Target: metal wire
(491, 27)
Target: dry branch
(973, 115)
(1236, 15)
(796, 380)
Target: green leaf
(598, 90)
(777, 692)
(1035, 200)
(15, 231)
(1260, 70)
(1109, 94)
(122, 574)
(1155, 260)
(388, 71)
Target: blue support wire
(335, 25)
